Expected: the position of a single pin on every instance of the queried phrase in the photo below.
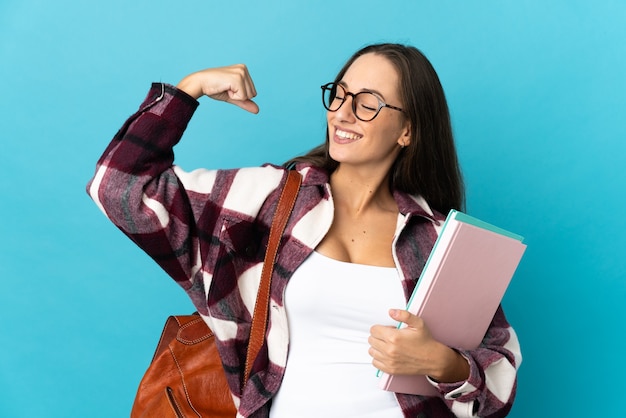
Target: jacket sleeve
(491, 387)
(136, 186)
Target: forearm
(191, 86)
(449, 366)
(145, 141)
(231, 84)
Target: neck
(360, 190)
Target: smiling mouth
(347, 135)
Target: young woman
(372, 200)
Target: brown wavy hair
(429, 165)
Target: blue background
(537, 93)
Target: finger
(382, 361)
(243, 86)
(238, 92)
(246, 87)
(241, 96)
(250, 87)
(382, 332)
(248, 83)
(376, 343)
(377, 360)
(378, 356)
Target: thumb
(248, 105)
(243, 100)
(408, 318)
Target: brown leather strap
(259, 320)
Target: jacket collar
(416, 205)
(408, 205)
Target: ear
(405, 135)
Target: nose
(346, 111)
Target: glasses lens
(333, 97)
(366, 105)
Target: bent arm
(136, 187)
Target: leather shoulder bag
(186, 377)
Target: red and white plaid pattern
(208, 231)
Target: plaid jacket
(208, 231)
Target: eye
(367, 107)
(367, 102)
(339, 92)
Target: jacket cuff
(170, 103)
(463, 391)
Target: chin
(339, 155)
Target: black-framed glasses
(365, 104)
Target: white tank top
(331, 306)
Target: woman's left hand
(413, 351)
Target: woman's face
(373, 144)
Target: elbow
(109, 196)
(123, 201)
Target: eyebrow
(376, 92)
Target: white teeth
(347, 135)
